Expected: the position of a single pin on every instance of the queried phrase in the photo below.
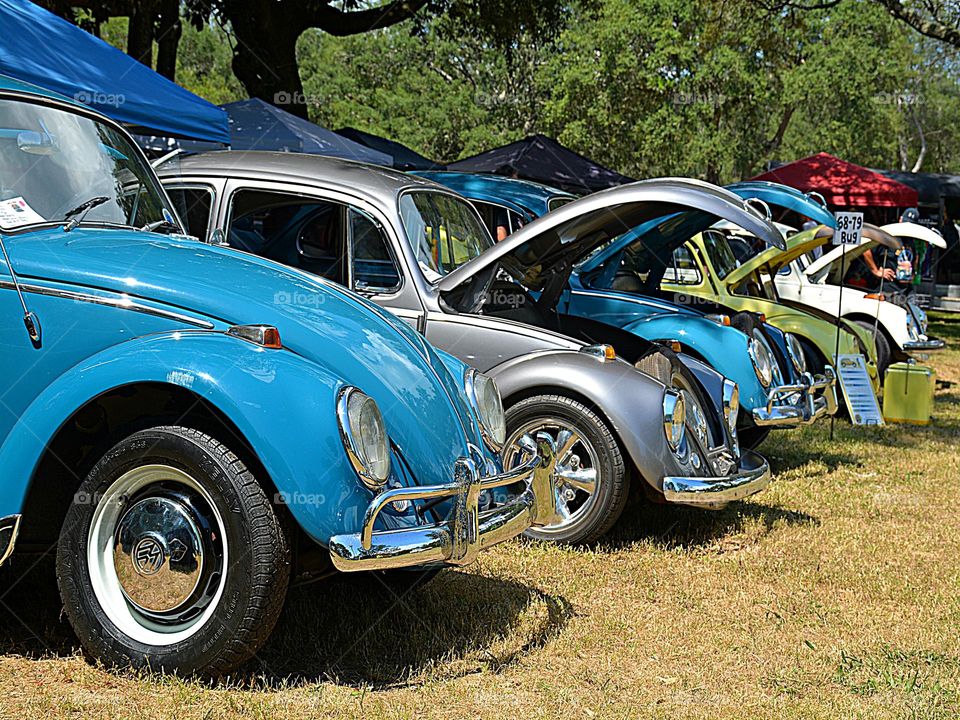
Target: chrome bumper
(928, 345)
(458, 539)
(9, 527)
(818, 397)
(752, 477)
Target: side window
(374, 267)
(193, 205)
(683, 269)
(304, 232)
(500, 221)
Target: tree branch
(931, 28)
(353, 22)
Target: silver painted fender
(631, 402)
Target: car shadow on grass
(675, 527)
(352, 630)
(355, 630)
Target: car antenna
(30, 321)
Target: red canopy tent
(842, 183)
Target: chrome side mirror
(34, 143)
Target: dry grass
(833, 594)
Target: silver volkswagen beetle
(638, 415)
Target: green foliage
(712, 89)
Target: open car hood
(916, 232)
(872, 237)
(776, 258)
(785, 197)
(678, 208)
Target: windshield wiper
(157, 224)
(81, 210)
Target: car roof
(372, 180)
(10, 84)
(496, 188)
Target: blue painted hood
(785, 197)
(422, 403)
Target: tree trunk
(168, 31)
(140, 32)
(265, 57)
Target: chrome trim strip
(9, 529)
(753, 476)
(123, 302)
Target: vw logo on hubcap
(148, 556)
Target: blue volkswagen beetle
(774, 388)
(190, 425)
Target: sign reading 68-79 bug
(849, 228)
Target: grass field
(832, 594)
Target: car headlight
(795, 351)
(731, 405)
(485, 399)
(364, 437)
(674, 419)
(912, 326)
(762, 360)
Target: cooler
(908, 391)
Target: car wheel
(171, 556)
(883, 345)
(591, 476)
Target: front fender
(283, 404)
(630, 400)
(722, 348)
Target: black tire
(882, 344)
(252, 582)
(612, 481)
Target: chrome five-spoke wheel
(591, 478)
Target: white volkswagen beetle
(898, 326)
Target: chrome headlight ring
(762, 360)
(364, 437)
(484, 398)
(731, 405)
(795, 351)
(675, 420)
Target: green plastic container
(908, 392)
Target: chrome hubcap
(577, 472)
(158, 553)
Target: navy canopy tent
(403, 157)
(546, 161)
(38, 47)
(258, 125)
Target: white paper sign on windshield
(849, 228)
(15, 213)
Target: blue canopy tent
(403, 157)
(258, 125)
(40, 48)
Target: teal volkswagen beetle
(191, 426)
(775, 388)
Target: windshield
(721, 255)
(55, 163)
(444, 231)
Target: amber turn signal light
(263, 335)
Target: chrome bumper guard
(818, 397)
(458, 539)
(928, 345)
(9, 528)
(752, 477)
